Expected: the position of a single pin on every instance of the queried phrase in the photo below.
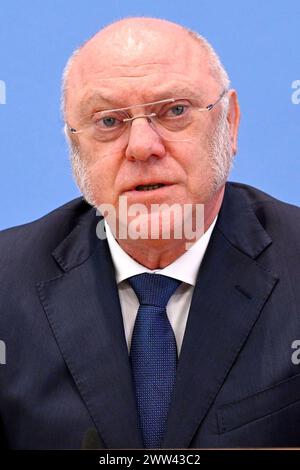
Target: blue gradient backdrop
(258, 43)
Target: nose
(144, 141)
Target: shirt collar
(185, 268)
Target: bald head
(129, 38)
(134, 45)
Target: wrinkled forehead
(126, 62)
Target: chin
(157, 228)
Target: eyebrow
(92, 100)
(98, 99)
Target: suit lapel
(83, 309)
(229, 295)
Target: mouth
(149, 187)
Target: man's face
(127, 67)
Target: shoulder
(55, 223)
(276, 216)
(257, 198)
(31, 244)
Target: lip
(150, 192)
(147, 183)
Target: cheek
(196, 158)
(199, 170)
(102, 173)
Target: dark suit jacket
(67, 369)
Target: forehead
(137, 67)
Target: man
(131, 342)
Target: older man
(165, 341)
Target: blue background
(258, 42)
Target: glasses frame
(209, 107)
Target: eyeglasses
(169, 117)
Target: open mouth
(149, 187)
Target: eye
(177, 110)
(107, 121)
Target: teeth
(148, 187)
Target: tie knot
(153, 289)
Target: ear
(233, 118)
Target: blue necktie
(153, 354)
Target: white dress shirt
(185, 269)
